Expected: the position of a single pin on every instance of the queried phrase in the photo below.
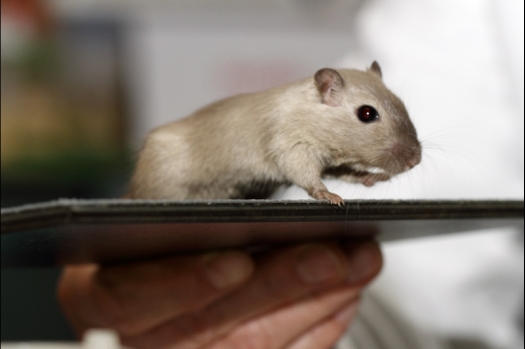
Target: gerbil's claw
(333, 198)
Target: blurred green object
(39, 61)
(82, 172)
(76, 165)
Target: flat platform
(70, 231)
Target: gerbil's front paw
(371, 179)
(326, 195)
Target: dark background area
(29, 307)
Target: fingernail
(317, 263)
(228, 269)
(347, 313)
(364, 263)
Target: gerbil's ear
(376, 69)
(330, 86)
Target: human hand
(295, 297)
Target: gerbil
(341, 123)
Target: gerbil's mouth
(355, 170)
(375, 170)
(367, 175)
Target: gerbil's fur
(295, 133)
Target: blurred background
(83, 81)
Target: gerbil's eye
(367, 113)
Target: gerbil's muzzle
(413, 157)
(413, 160)
(406, 157)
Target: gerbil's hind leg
(258, 189)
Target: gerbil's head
(376, 131)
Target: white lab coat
(458, 66)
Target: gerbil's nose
(413, 160)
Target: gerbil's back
(215, 147)
(230, 132)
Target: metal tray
(71, 231)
